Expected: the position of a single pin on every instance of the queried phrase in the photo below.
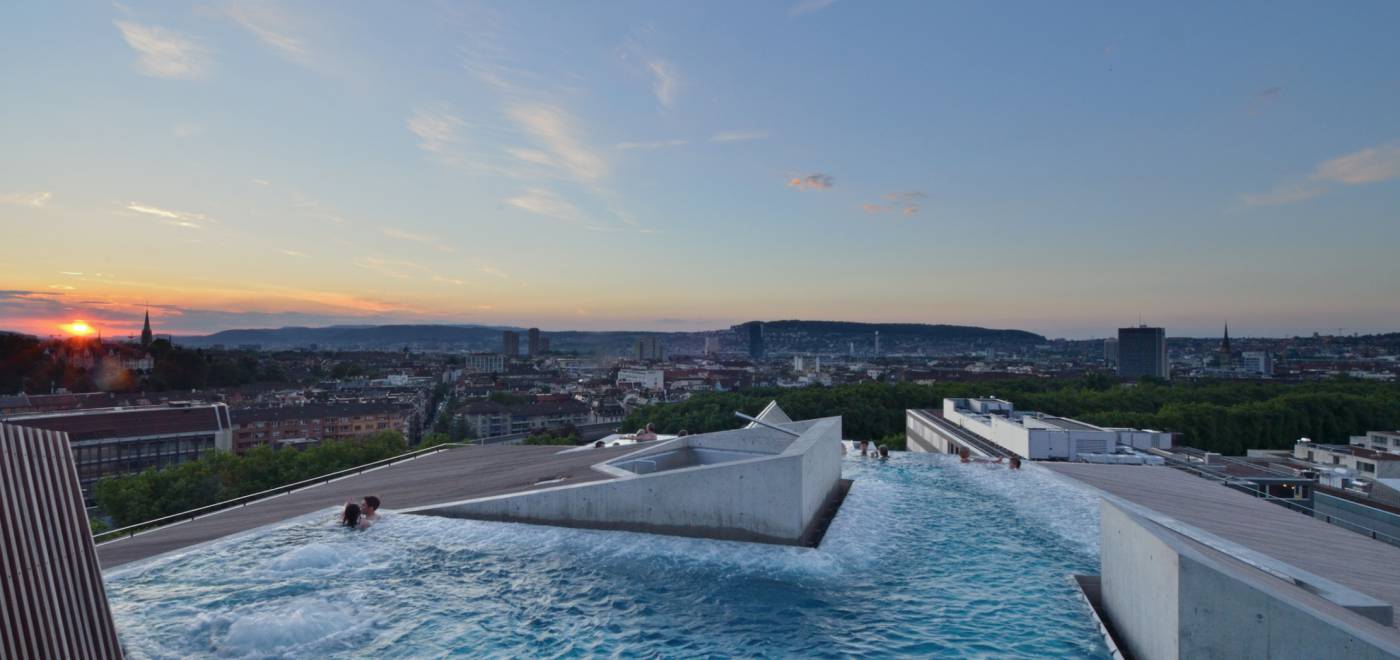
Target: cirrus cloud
(817, 181)
(164, 53)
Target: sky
(1064, 168)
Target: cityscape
(521, 330)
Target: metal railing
(244, 500)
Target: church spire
(146, 330)
(1226, 357)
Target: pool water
(927, 557)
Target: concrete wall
(770, 498)
(1168, 597)
(1357, 517)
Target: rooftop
(94, 423)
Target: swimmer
(351, 517)
(1015, 463)
(369, 509)
(884, 453)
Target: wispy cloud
(904, 203)
(816, 181)
(556, 133)
(274, 27)
(655, 144)
(294, 253)
(544, 202)
(397, 269)
(666, 83)
(437, 130)
(1372, 165)
(404, 235)
(809, 6)
(164, 53)
(738, 136)
(36, 200)
(183, 219)
(185, 130)
(493, 271)
(448, 280)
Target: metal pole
(760, 422)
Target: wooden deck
(1366, 565)
(448, 476)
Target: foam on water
(927, 557)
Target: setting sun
(78, 328)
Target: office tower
(877, 342)
(1110, 350)
(534, 342)
(1142, 351)
(647, 349)
(510, 343)
(756, 350)
(711, 345)
(1259, 362)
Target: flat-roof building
(313, 424)
(994, 428)
(1142, 351)
(111, 442)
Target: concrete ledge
(1091, 592)
(1168, 596)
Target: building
(1378, 440)
(1110, 351)
(756, 348)
(146, 335)
(1227, 356)
(1142, 351)
(1257, 362)
(534, 342)
(312, 424)
(648, 349)
(711, 345)
(483, 363)
(640, 378)
(488, 418)
(993, 427)
(510, 343)
(1360, 461)
(110, 442)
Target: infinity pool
(927, 557)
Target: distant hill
(343, 336)
(909, 331)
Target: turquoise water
(927, 557)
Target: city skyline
(671, 168)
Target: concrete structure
(1361, 461)
(755, 337)
(1260, 363)
(313, 424)
(771, 483)
(647, 379)
(711, 345)
(484, 363)
(52, 600)
(1142, 351)
(1170, 596)
(488, 419)
(534, 345)
(1030, 435)
(1378, 441)
(648, 350)
(126, 440)
(510, 343)
(1110, 351)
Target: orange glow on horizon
(78, 328)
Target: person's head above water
(370, 505)
(884, 451)
(1015, 462)
(351, 516)
(598, 445)
(963, 454)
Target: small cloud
(260, 182)
(656, 144)
(874, 209)
(546, 203)
(534, 156)
(70, 273)
(816, 181)
(405, 235)
(436, 130)
(164, 53)
(738, 136)
(273, 27)
(185, 130)
(905, 203)
(293, 253)
(493, 271)
(554, 130)
(447, 280)
(36, 200)
(665, 83)
(173, 218)
(62, 287)
(1372, 165)
(809, 6)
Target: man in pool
(369, 508)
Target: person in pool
(884, 453)
(369, 509)
(352, 517)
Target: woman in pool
(351, 517)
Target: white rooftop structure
(1039, 436)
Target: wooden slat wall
(52, 602)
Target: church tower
(146, 330)
(1226, 357)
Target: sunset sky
(1065, 168)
